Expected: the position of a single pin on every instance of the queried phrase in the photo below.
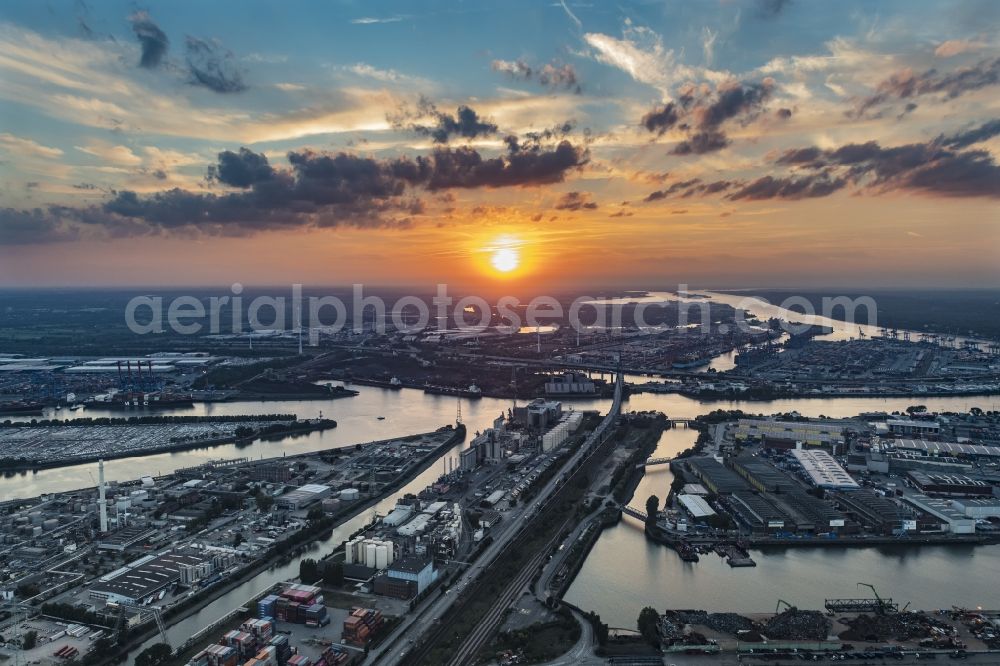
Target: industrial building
(950, 484)
(910, 427)
(567, 425)
(878, 514)
(756, 512)
(823, 471)
(302, 497)
(947, 449)
(140, 582)
(953, 519)
(762, 475)
(978, 508)
(696, 506)
(570, 383)
(716, 477)
(786, 434)
(539, 414)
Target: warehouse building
(716, 477)
(696, 506)
(762, 475)
(406, 578)
(978, 509)
(957, 485)
(823, 471)
(874, 511)
(138, 584)
(945, 449)
(756, 512)
(952, 519)
(910, 427)
(302, 497)
(786, 434)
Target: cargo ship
(473, 392)
(21, 407)
(393, 383)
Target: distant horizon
(516, 146)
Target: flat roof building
(696, 506)
(787, 433)
(954, 520)
(137, 584)
(823, 471)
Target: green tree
(649, 622)
(29, 640)
(154, 655)
(652, 506)
(333, 573)
(264, 501)
(309, 571)
(238, 539)
(315, 513)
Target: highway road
(393, 649)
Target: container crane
(883, 605)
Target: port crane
(882, 605)
(788, 605)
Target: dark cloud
(661, 118)
(576, 201)
(907, 85)
(965, 139)
(934, 167)
(241, 169)
(154, 41)
(522, 165)
(318, 190)
(552, 75)
(701, 142)
(783, 114)
(23, 227)
(673, 189)
(805, 187)
(213, 66)
(702, 117)
(466, 123)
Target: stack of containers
(315, 615)
(281, 609)
(360, 625)
(220, 655)
(243, 642)
(265, 607)
(268, 656)
(281, 647)
(300, 660)
(333, 655)
(261, 630)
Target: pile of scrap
(898, 626)
(795, 624)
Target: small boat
(75, 407)
(381, 418)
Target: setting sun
(505, 259)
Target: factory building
(302, 497)
(696, 506)
(398, 515)
(372, 553)
(874, 511)
(539, 414)
(140, 582)
(756, 512)
(762, 475)
(979, 508)
(823, 471)
(786, 434)
(910, 427)
(418, 574)
(952, 519)
(950, 484)
(716, 477)
(943, 449)
(570, 383)
(567, 425)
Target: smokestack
(101, 503)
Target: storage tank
(349, 494)
(381, 556)
(349, 552)
(370, 554)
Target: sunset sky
(794, 143)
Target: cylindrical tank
(381, 556)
